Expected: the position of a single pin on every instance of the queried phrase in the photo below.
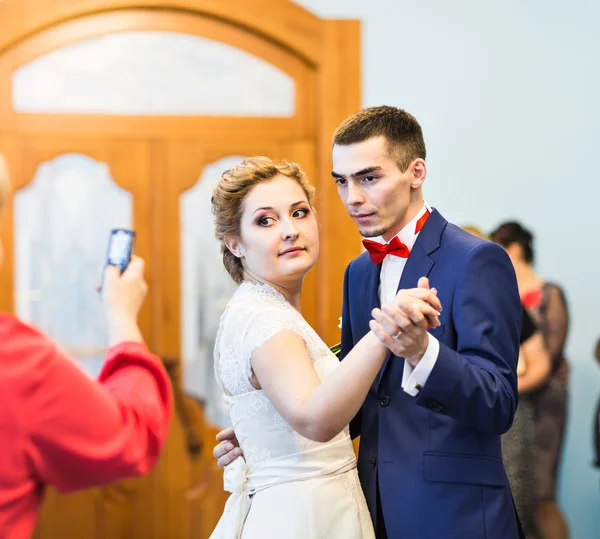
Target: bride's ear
(234, 244)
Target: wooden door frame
(26, 154)
(301, 123)
(330, 47)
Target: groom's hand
(403, 327)
(229, 448)
(424, 294)
(429, 295)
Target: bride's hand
(421, 299)
(229, 448)
(402, 326)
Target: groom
(430, 459)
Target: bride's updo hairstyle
(231, 191)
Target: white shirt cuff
(414, 378)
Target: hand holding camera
(124, 288)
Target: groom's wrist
(415, 358)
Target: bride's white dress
(286, 486)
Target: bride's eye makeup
(301, 212)
(265, 220)
(268, 220)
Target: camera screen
(120, 246)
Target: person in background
(518, 444)
(58, 426)
(546, 303)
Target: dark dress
(518, 450)
(550, 313)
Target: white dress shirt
(413, 378)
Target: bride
(290, 400)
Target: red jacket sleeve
(79, 432)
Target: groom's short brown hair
(401, 130)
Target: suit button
(372, 462)
(384, 401)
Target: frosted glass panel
(152, 73)
(62, 223)
(206, 288)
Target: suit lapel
(371, 292)
(419, 264)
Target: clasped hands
(402, 325)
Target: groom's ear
(419, 172)
(234, 244)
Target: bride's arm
(318, 411)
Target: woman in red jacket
(58, 426)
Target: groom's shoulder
(360, 263)
(458, 238)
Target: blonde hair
(4, 182)
(475, 231)
(231, 191)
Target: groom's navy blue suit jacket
(437, 456)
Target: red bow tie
(378, 251)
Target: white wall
(508, 96)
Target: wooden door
(157, 158)
(68, 193)
(319, 57)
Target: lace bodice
(256, 313)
